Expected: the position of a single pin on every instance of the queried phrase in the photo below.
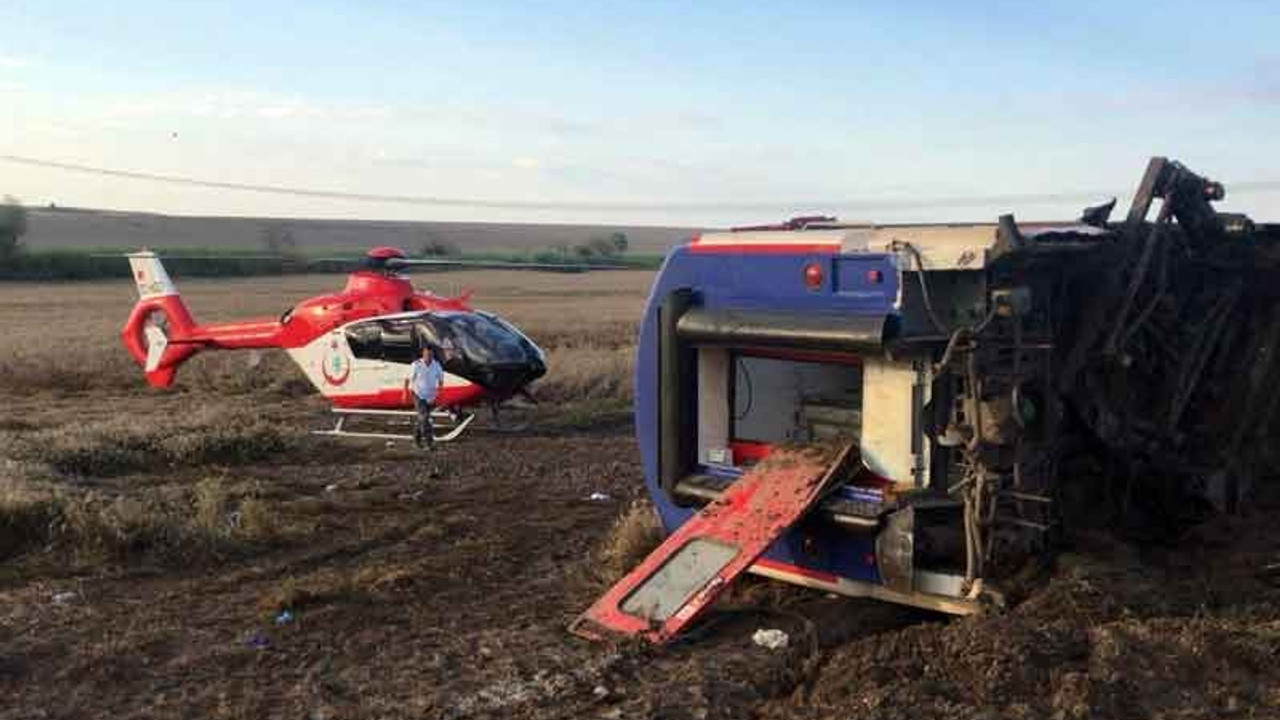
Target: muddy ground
(149, 542)
(439, 586)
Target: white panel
(951, 247)
(150, 276)
(888, 409)
(713, 401)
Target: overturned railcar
(967, 363)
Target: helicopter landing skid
(455, 422)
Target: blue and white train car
(812, 330)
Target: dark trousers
(423, 431)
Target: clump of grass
(95, 530)
(258, 519)
(65, 367)
(15, 425)
(124, 445)
(587, 372)
(294, 594)
(633, 535)
(333, 586)
(210, 501)
(25, 516)
(91, 529)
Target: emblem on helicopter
(335, 365)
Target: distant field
(66, 336)
(83, 229)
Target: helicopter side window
(365, 340)
(398, 343)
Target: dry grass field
(195, 553)
(65, 229)
(65, 337)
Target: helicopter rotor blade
(502, 264)
(180, 256)
(403, 263)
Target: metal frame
(459, 423)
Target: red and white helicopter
(354, 346)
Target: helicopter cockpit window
(482, 339)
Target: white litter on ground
(772, 639)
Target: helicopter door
(365, 339)
(381, 358)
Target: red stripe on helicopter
(396, 399)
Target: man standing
(425, 378)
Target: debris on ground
(771, 639)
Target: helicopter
(354, 346)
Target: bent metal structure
(966, 365)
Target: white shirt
(425, 379)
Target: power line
(899, 203)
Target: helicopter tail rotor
(156, 331)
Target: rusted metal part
(1120, 329)
(1179, 381)
(895, 551)
(684, 575)
(1206, 344)
(1148, 190)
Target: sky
(677, 113)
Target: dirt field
(194, 553)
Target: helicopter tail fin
(157, 331)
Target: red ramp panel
(685, 574)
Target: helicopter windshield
(482, 338)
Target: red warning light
(813, 276)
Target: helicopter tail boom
(160, 333)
